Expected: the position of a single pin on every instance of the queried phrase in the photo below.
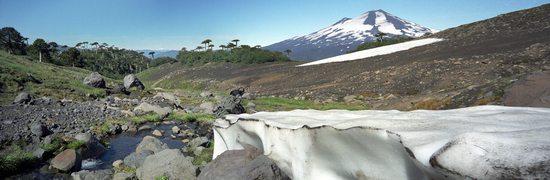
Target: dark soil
(473, 66)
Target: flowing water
(120, 146)
(125, 143)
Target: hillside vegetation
(384, 42)
(20, 73)
(229, 53)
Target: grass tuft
(76, 144)
(285, 104)
(186, 117)
(206, 155)
(14, 159)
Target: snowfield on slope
(483, 142)
(375, 51)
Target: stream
(120, 146)
(125, 143)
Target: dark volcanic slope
(472, 66)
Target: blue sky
(172, 24)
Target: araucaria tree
(71, 56)
(41, 48)
(152, 53)
(236, 41)
(206, 43)
(288, 51)
(12, 41)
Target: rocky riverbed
(121, 136)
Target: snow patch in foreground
(376, 51)
(484, 142)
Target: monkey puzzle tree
(40, 47)
(206, 43)
(288, 51)
(236, 41)
(152, 53)
(12, 41)
(71, 56)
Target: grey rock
(93, 147)
(118, 164)
(175, 130)
(39, 129)
(125, 127)
(131, 81)
(39, 153)
(350, 98)
(124, 176)
(170, 97)
(170, 163)
(115, 129)
(68, 160)
(145, 107)
(252, 164)
(22, 97)
(206, 94)
(207, 107)
(104, 174)
(157, 133)
(198, 150)
(249, 96)
(251, 106)
(196, 142)
(150, 143)
(85, 137)
(145, 127)
(95, 80)
(136, 159)
(230, 105)
(119, 88)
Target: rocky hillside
(475, 64)
(20, 73)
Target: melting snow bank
(484, 142)
(376, 51)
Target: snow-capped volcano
(347, 34)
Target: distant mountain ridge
(348, 33)
(160, 53)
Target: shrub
(76, 144)
(14, 160)
(244, 54)
(370, 45)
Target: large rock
(207, 107)
(93, 147)
(104, 174)
(136, 159)
(39, 129)
(249, 163)
(145, 107)
(230, 105)
(119, 89)
(22, 97)
(95, 80)
(66, 161)
(170, 163)
(170, 97)
(124, 176)
(131, 81)
(206, 94)
(40, 153)
(150, 143)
